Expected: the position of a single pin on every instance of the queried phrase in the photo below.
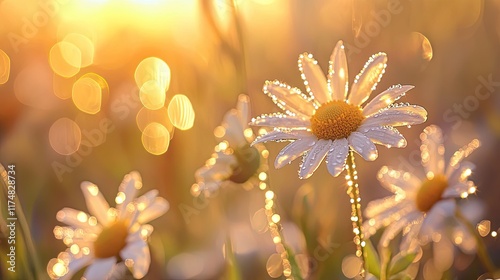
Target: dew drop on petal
(56, 268)
(155, 69)
(4, 67)
(65, 59)
(274, 266)
(155, 138)
(181, 112)
(65, 136)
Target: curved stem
(482, 253)
(356, 218)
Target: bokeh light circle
(65, 136)
(155, 138)
(181, 112)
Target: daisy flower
(108, 235)
(233, 160)
(327, 121)
(419, 203)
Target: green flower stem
(482, 253)
(356, 218)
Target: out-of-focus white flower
(233, 160)
(419, 205)
(327, 122)
(108, 235)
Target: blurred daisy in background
(233, 160)
(327, 122)
(108, 235)
(420, 205)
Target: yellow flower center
(248, 162)
(336, 120)
(431, 192)
(111, 240)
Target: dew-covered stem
(356, 218)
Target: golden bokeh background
(92, 89)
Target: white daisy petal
(462, 173)
(432, 151)
(461, 154)
(148, 197)
(394, 228)
(363, 146)
(385, 207)
(100, 269)
(278, 135)
(367, 79)
(411, 238)
(338, 80)
(385, 99)
(387, 136)
(396, 116)
(314, 78)
(337, 155)
(381, 218)
(96, 204)
(77, 219)
(458, 189)
(75, 265)
(127, 191)
(293, 151)
(215, 172)
(279, 120)
(398, 181)
(314, 158)
(243, 109)
(234, 129)
(289, 99)
(435, 217)
(138, 252)
(159, 207)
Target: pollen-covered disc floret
(107, 235)
(329, 120)
(336, 120)
(431, 192)
(421, 204)
(111, 240)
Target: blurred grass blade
(372, 259)
(400, 262)
(232, 270)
